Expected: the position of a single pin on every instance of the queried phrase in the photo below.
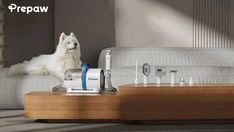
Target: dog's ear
(62, 37)
(72, 34)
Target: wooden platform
(137, 102)
(60, 105)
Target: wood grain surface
(137, 102)
(197, 102)
(50, 105)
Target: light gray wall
(28, 35)
(92, 21)
(162, 23)
(165, 23)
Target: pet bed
(13, 88)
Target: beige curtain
(2, 45)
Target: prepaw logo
(28, 9)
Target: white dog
(66, 56)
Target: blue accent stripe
(85, 68)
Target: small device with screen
(159, 72)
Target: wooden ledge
(137, 102)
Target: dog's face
(69, 42)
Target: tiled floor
(13, 121)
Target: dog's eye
(68, 42)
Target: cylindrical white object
(72, 84)
(95, 78)
(136, 78)
(173, 81)
(158, 80)
(145, 79)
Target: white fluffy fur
(66, 56)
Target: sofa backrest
(125, 57)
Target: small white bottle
(158, 80)
(145, 80)
(191, 81)
(182, 81)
